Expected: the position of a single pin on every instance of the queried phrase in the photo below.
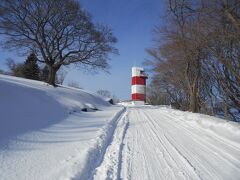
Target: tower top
(139, 72)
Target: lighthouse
(138, 86)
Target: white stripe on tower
(138, 89)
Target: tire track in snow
(177, 151)
(153, 144)
(172, 151)
(151, 159)
(199, 139)
(96, 154)
(183, 150)
(111, 166)
(121, 149)
(206, 166)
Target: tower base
(138, 103)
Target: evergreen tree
(30, 68)
(1, 71)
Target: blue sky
(132, 22)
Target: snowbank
(96, 153)
(228, 129)
(24, 109)
(28, 105)
(44, 134)
(224, 128)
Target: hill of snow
(45, 135)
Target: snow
(45, 135)
(162, 143)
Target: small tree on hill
(16, 69)
(105, 93)
(30, 68)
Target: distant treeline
(195, 62)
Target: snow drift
(28, 105)
(44, 134)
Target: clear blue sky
(132, 22)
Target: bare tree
(179, 62)
(104, 93)
(196, 57)
(16, 69)
(107, 94)
(59, 32)
(157, 95)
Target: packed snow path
(161, 143)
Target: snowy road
(161, 143)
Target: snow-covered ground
(45, 135)
(162, 143)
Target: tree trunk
(52, 75)
(193, 100)
(226, 112)
(213, 110)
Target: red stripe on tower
(139, 97)
(138, 84)
(138, 80)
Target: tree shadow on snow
(25, 109)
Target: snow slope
(162, 143)
(45, 135)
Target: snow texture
(161, 143)
(45, 135)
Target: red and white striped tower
(138, 84)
